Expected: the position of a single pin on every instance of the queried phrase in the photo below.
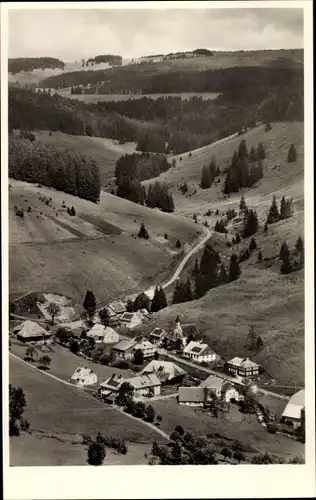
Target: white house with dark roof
(131, 320)
(29, 331)
(157, 335)
(243, 367)
(192, 396)
(147, 384)
(222, 388)
(199, 352)
(124, 349)
(96, 333)
(84, 376)
(146, 347)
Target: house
(84, 376)
(29, 331)
(294, 410)
(147, 384)
(166, 371)
(243, 367)
(199, 352)
(111, 386)
(147, 347)
(96, 333)
(222, 388)
(110, 336)
(131, 320)
(117, 307)
(192, 396)
(157, 335)
(124, 349)
(143, 385)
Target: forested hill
(19, 64)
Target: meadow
(98, 248)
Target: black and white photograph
(156, 177)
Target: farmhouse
(243, 367)
(192, 396)
(294, 410)
(166, 371)
(147, 384)
(96, 333)
(110, 336)
(147, 347)
(84, 376)
(221, 388)
(30, 331)
(131, 320)
(157, 335)
(117, 307)
(124, 349)
(111, 385)
(199, 352)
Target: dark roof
(196, 349)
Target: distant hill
(19, 64)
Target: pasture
(105, 152)
(97, 249)
(279, 176)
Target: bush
(121, 363)
(272, 428)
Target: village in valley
(156, 245)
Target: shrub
(121, 363)
(96, 453)
(272, 428)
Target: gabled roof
(118, 307)
(109, 332)
(243, 362)
(165, 370)
(123, 345)
(113, 382)
(82, 373)
(191, 394)
(295, 405)
(144, 381)
(198, 348)
(144, 344)
(212, 382)
(96, 331)
(158, 332)
(31, 329)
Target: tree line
(74, 174)
(16, 65)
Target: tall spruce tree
(242, 204)
(292, 154)
(234, 268)
(273, 214)
(159, 300)
(251, 223)
(242, 150)
(286, 266)
(206, 180)
(90, 303)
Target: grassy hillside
(104, 151)
(97, 249)
(279, 175)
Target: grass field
(232, 426)
(278, 174)
(105, 152)
(67, 255)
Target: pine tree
(159, 301)
(251, 223)
(283, 208)
(273, 214)
(90, 303)
(143, 233)
(253, 155)
(284, 252)
(242, 204)
(252, 245)
(261, 153)
(286, 266)
(237, 239)
(206, 180)
(259, 342)
(188, 291)
(265, 228)
(259, 256)
(292, 154)
(234, 268)
(178, 293)
(242, 150)
(299, 245)
(72, 211)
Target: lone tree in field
(273, 214)
(72, 211)
(90, 303)
(53, 310)
(44, 362)
(242, 204)
(234, 268)
(292, 154)
(96, 453)
(178, 244)
(17, 405)
(286, 266)
(143, 233)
